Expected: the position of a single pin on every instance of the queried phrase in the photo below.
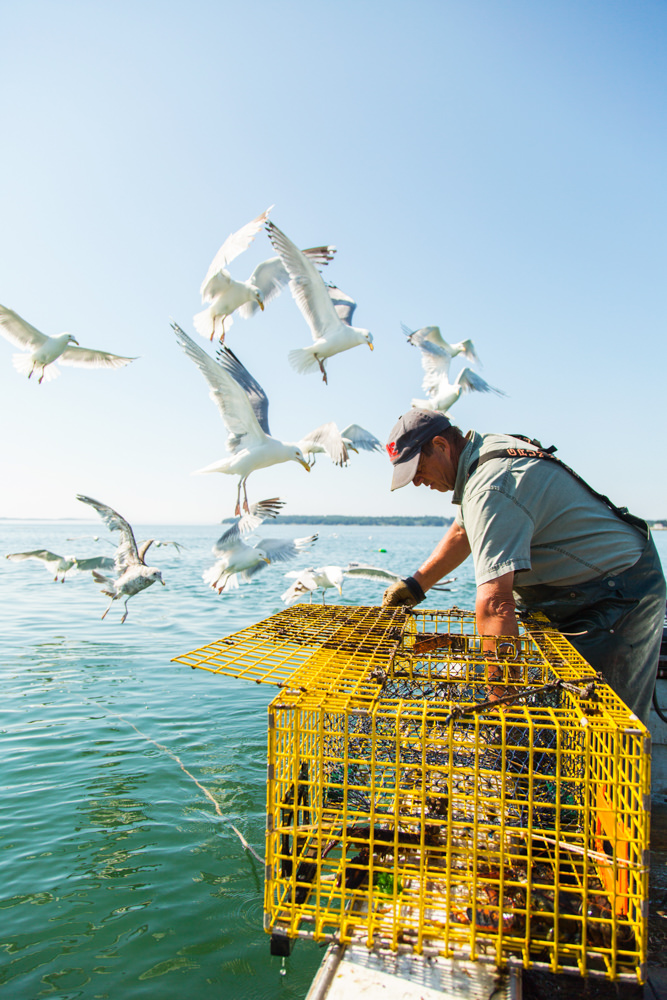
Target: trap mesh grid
(406, 811)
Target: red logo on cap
(392, 450)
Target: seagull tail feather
(106, 581)
(422, 404)
(204, 323)
(302, 360)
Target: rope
(205, 790)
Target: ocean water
(119, 879)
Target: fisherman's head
(424, 448)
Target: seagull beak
(261, 306)
(163, 583)
(370, 345)
(304, 464)
(266, 560)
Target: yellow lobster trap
(408, 809)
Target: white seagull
(244, 407)
(439, 359)
(325, 439)
(226, 295)
(326, 309)
(358, 439)
(63, 566)
(45, 350)
(238, 561)
(133, 575)
(442, 394)
(307, 580)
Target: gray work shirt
(529, 516)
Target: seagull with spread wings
(326, 577)
(337, 444)
(436, 358)
(238, 561)
(133, 575)
(326, 309)
(45, 350)
(63, 566)
(244, 408)
(225, 295)
(440, 358)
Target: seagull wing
(282, 549)
(470, 381)
(126, 553)
(42, 554)
(370, 572)
(306, 284)
(434, 358)
(360, 438)
(20, 333)
(331, 440)
(467, 349)
(342, 303)
(248, 522)
(94, 562)
(83, 357)
(235, 244)
(143, 549)
(258, 399)
(230, 398)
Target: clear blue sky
(494, 168)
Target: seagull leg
(245, 496)
(39, 380)
(222, 335)
(125, 612)
(237, 509)
(107, 610)
(323, 370)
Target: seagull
(325, 577)
(244, 407)
(226, 295)
(443, 394)
(133, 575)
(62, 566)
(326, 309)
(358, 439)
(326, 438)
(236, 560)
(438, 360)
(337, 444)
(308, 580)
(45, 350)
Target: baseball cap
(404, 446)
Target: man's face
(436, 468)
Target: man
(541, 539)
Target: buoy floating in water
(382, 550)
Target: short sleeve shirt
(532, 517)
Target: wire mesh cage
(414, 804)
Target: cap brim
(405, 472)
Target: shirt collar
(467, 456)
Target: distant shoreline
(427, 521)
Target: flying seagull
(326, 309)
(133, 575)
(45, 350)
(226, 295)
(238, 561)
(437, 353)
(62, 566)
(442, 394)
(337, 444)
(358, 439)
(244, 407)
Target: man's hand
(404, 593)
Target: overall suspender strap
(547, 453)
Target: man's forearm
(446, 556)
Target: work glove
(404, 593)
